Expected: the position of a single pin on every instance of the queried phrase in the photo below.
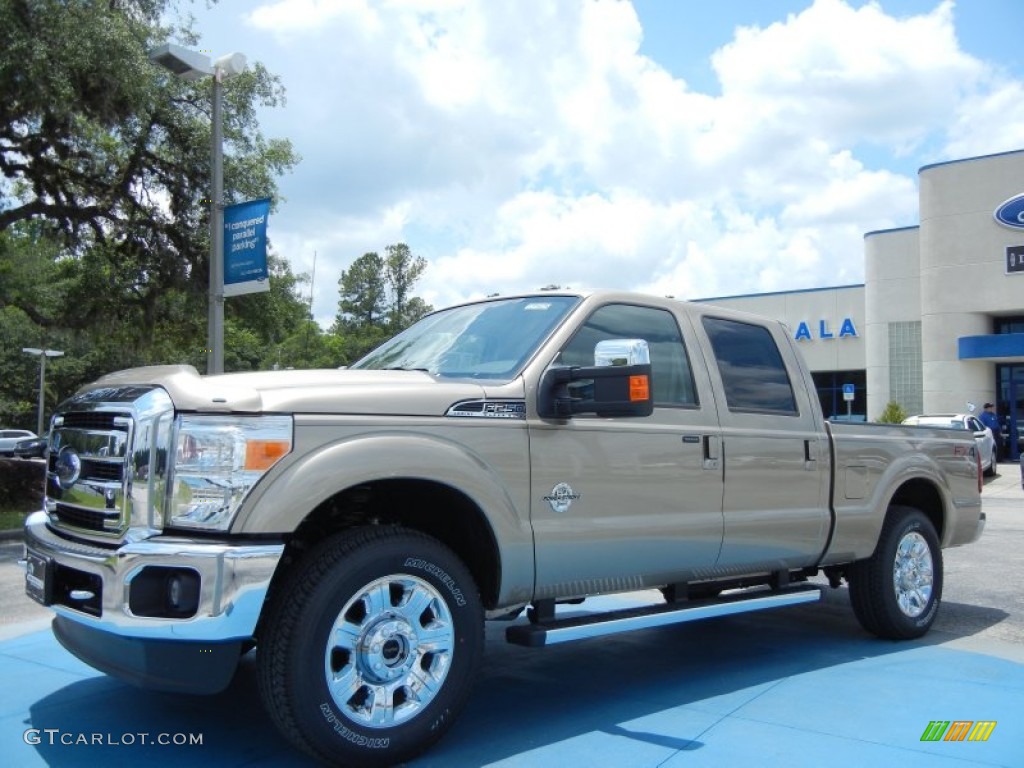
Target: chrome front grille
(87, 474)
(101, 421)
(76, 517)
(108, 457)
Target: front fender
(283, 501)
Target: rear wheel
(370, 648)
(896, 592)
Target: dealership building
(938, 325)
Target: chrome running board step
(598, 624)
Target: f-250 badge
(561, 498)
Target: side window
(752, 370)
(670, 365)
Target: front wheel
(896, 592)
(371, 646)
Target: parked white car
(982, 434)
(10, 438)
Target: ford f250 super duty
(356, 527)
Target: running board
(613, 622)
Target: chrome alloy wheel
(389, 651)
(913, 576)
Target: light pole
(192, 65)
(43, 354)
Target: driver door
(628, 503)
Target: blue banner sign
(245, 247)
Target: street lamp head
(186, 64)
(44, 352)
(230, 65)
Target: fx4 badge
(561, 498)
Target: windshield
(491, 340)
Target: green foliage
(893, 414)
(105, 163)
(104, 187)
(363, 302)
(104, 211)
(376, 299)
(309, 347)
(21, 490)
(401, 272)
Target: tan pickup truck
(358, 526)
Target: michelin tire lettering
(433, 570)
(349, 735)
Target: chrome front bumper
(234, 579)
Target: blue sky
(669, 146)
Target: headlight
(218, 459)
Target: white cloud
(988, 122)
(290, 17)
(531, 143)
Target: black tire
(413, 644)
(899, 607)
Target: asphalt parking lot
(801, 686)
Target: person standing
(989, 418)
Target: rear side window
(753, 373)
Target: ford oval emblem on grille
(69, 467)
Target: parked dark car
(31, 448)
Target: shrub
(893, 414)
(21, 485)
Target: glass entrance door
(1010, 407)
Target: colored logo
(1011, 213)
(68, 468)
(958, 730)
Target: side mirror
(618, 384)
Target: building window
(1009, 325)
(906, 379)
(829, 385)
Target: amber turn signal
(639, 388)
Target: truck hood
(394, 393)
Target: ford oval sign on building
(1011, 213)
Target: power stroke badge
(561, 497)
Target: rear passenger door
(776, 457)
